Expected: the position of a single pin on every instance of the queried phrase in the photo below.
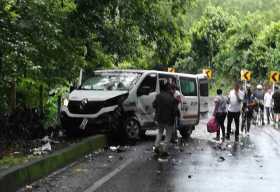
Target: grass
(14, 159)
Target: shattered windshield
(111, 81)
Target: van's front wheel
(132, 128)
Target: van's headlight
(65, 102)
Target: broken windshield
(111, 81)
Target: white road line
(107, 177)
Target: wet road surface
(200, 165)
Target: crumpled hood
(94, 95)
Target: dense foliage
(43, 44)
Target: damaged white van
(121, 100)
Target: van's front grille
(91, 107)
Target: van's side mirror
(143, 91)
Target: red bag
(212, 125)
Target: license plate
(84, 124)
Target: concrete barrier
(19, 176)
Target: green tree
(206, 35)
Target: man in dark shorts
(276, 105)
(166, 108)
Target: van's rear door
(190, 102)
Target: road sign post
(208, 73)
(245, 77)
(274, 77)
(171, 69)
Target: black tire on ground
(186, 132)
(132, 128)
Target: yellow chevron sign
(246, 75)
(171, 69)
(274, 76)
(208, 73)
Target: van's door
(190, 101)
(146, 94)
(204, 93)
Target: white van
(122, 101)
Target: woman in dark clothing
(249, 104)
(220, 112)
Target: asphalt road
(200, 165)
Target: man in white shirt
(235, 98)
(268, 104)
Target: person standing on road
(259, 95)
(220, 113)
(276, 105)
(177, 95)
(165, 107)
(235, 100)
(249, 104)
(268, 104)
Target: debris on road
(110, 156)
(44, 149)
(113, 148)
(162, 160)
(221, 159)
(258, 156)
(118, 148)
(189, 176)
(28, 188)
(98, 151)
(47, 139)
(89, 156)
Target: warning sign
(207, 72)
(274, 76)
(246, 75)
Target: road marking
(107, 177)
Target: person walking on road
(268, 104)
(165, 106)
(249, 104)
(220, 113)
(235, 98)
(276, 105)
(259, 95)
(178, 97)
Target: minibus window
(188, 86)
(150, 81)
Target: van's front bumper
(89, 116)
(101, 117)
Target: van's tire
(132, 129)
(186, 132)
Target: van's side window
(150, 81)
(188, 86)
(204, 92)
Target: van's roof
(201, 76)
